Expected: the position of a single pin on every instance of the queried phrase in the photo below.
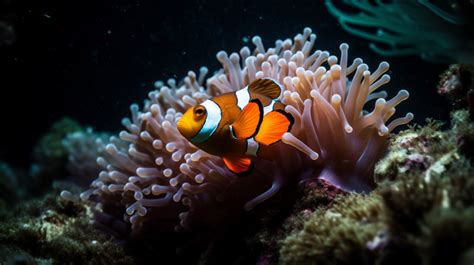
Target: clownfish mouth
(186, 129)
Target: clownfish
(239, 126)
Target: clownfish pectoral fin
(267, 87)
(248, 121)
(239, 165)
(274, 125)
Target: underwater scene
(237, 132)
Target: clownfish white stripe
(243, 97)
(232, 133)
(252, 147)
(269, 107)
(211, 123)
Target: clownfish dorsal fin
(237, 164)
(267, 87)
(247, 123)
(274, 125)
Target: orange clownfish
(238, 126)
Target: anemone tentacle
(152, 176)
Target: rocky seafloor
(421, 212)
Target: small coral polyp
(154, 176)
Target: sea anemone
(153, 177)
(331, 125)
(435, 31)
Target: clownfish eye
(199, 111)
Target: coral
(414, 150)
(315, 194)
(430, 209)
(463, 131)
(457, 83)
(412, 27)
(278, 222)
(420, 217)
(423, 210)
(447, 236)
(50, 146)
(421, 149)
(67, 152)
(430, 213)
(153, 178)
(445, 180)
(11, 189)
(50, 156)
(50, 230)
(82, 148)
(338, 235)
(13, 256)
(410, 198)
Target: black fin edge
(288, 116)
(246, 172)
(290, 119)
(260, 120)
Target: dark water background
(91, 59)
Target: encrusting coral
(414, 150)
(421, 212)
(152, 176)
(49, 230)
(463, 129)
(424, 149)
(430, 214)
(287, 214)
(457, 83)
(340, 233)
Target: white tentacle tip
(384, 65)
(383, 131)
(348, 129)
(221, 55)
(403, 93)
(256, 39)
(314, 156)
